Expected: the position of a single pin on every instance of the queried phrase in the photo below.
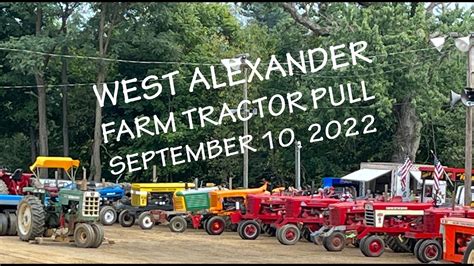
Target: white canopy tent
(366, 175)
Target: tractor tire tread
(38, 218)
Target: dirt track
(133, 245)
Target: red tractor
(427, 234)
(12, 184)
(344, 222)
(11, 193)
(260, 213)
(302, 216)
(387, 223)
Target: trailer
(8, 218)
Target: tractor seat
(17, 175)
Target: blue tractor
(111, 198)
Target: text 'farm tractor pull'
(60, 214)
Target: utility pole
(468, 161)
(236, 63)
(246, 127)
(298, 165)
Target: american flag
(438, 173)
(404, 171)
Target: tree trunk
(408, 134)
(64, 81)
(43, 131)
(96, 162)
(96, 167)
(42, 119)
(32, 144)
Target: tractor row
(368, 224)
(75, 213)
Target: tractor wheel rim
(431, 251)
(375, 247)
(177, 225)
(336, 241)
(109, 217)
(290, 235)
(250, 230)
(216, 226)
(82, 235)
(25, 221)
(147, 221)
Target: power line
(297, 73)
(172, 62)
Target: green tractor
(67, 214)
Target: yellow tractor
(146, 197)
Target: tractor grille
(90, 207)
(369, 217)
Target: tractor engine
(394, 214)
(78, 206)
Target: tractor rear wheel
(468, 257)
(84, 235)
(178, 224)
(306, 234)
(270, 230)
(429, 250)
(289, 234)
(3, 188)
(11, 224)
(249, 230)
(108, 215)
(373, 246)
(334, 242)
(215, 225)
(99, 235)
(146, 221)
(30, 218)
(400, 244)
(394, 244)
(126, 219)
(3, 224)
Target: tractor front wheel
(288, 234)
(108, 215)
(126, 219)
(99, 235)
(146, 221)
(178, 224)
(334, 242)
(30, 218)
(373, 246)
(249, 230)
(215, 225)
(429, 250)
(417, 246)
(84, 235)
